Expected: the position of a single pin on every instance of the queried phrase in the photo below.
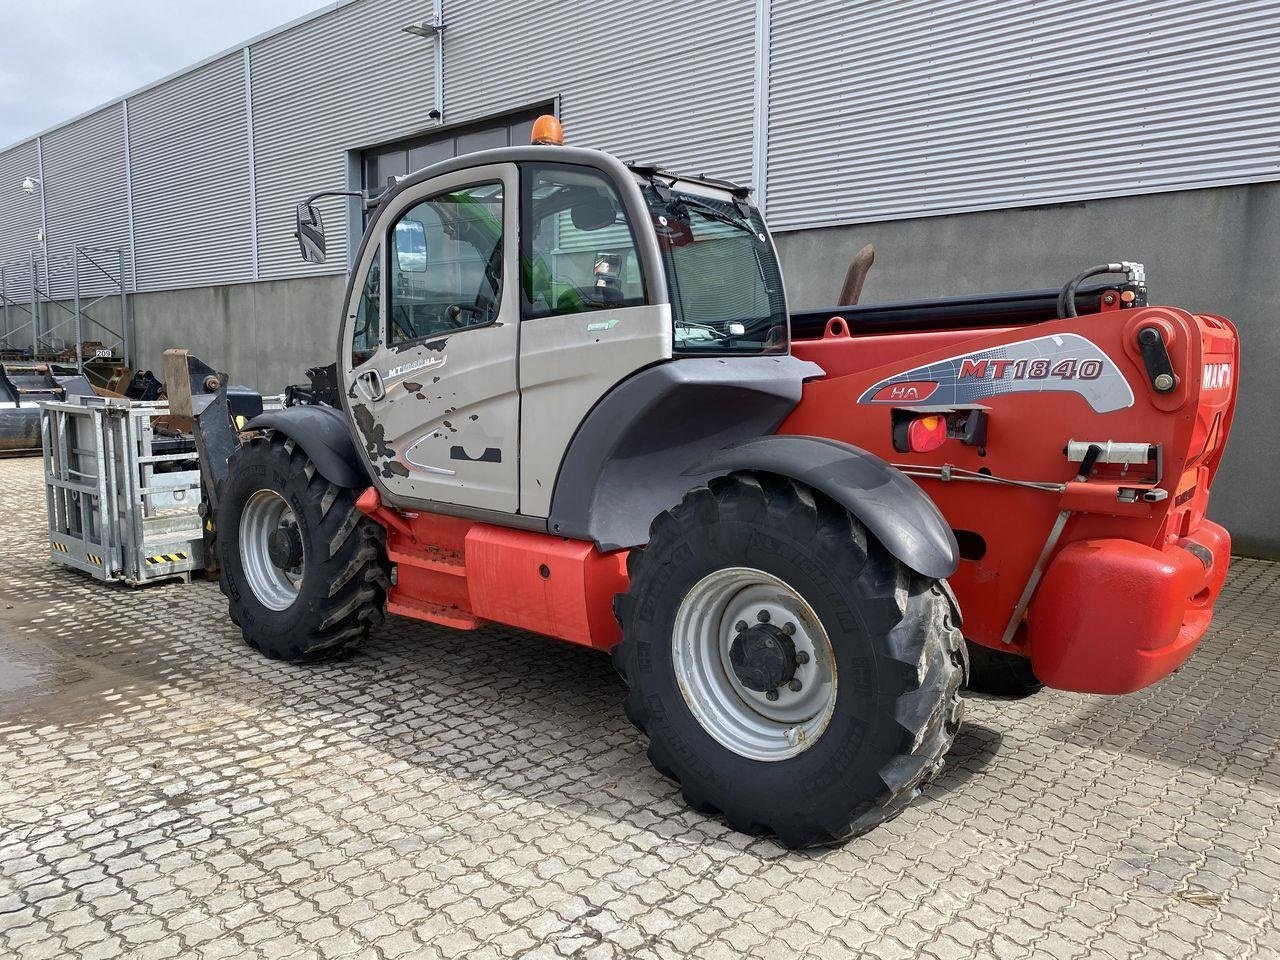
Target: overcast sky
(59, 58)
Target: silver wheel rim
(743, 720)
(264, 513)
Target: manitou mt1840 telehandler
(569, 397)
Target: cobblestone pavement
(166, 793)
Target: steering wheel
(455, 311)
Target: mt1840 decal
(1062, 363)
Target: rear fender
(322, 432)
(892, 508)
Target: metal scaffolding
(49, 306)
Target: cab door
(433, 395)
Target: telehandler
(569, 397)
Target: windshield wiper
(711, 212)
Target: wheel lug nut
(802, 656)
(763, 616)
(771, 695)
(740, 626)
(795, 685)
(789, 628)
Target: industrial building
(980, 145)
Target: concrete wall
(1206, 250)
(265, 335)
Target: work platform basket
(123, 490)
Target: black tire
(897, 642)
(1000, 674)
(345, 574)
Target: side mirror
(310, 233)
(411, 246)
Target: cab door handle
(370, 383)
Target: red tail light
(927, 433)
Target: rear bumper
(1114, 616)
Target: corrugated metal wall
(900, 108)
(876, 110)
(86, 201)
(345, 80)
(648, 80)
(19, 211)
(189, 151)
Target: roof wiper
(711, 212)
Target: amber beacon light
(547, 129)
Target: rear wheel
(789, 672)
(305, 573)
(1001, 674)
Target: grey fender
(892, 508)
(630, 457)
(323, 434)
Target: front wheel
(789, 672)
(304, 572)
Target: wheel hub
(284, 547)
(763, 657)
(271, 549)
(754, 664)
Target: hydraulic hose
(1067, 296)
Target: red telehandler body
(1124, 589)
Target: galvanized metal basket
(123, 492)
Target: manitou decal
(1062, 363)
(1216, 376)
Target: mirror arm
(366, 202)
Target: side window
(367, 336)
(445, 266)
(579, 253)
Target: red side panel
(464, 574)
(563, 588)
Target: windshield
(722, 273)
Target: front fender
(322, 432)
(895, 511)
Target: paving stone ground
(165, 792)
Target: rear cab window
(722, 272)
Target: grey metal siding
(189, 152)
(345, 80)
(86, 200)
(19, 211)
(896, 109)
(647, 80)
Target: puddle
(33, 676)
(16, 676)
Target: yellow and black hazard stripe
(60, 547)
(160, 558)
(94, 558)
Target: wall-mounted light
(30, 185)
(429, 27)
(432, 28)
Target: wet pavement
(165, 792)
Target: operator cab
(497, 298)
